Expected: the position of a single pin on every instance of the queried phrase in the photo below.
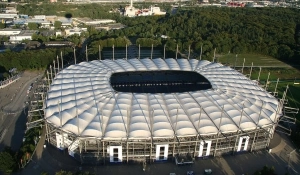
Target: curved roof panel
(81, 101)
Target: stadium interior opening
(158, 81)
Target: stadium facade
(157, 109)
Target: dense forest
(269, 31)
(31, 59)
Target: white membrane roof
(81, 101)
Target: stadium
(157, 110)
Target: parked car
(190, 173)
(207, 171)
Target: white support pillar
(201, 52)
(275, 91)
(214, 59)
(236, 57)
(243, 143)
(243, 65)
(62, 60)
(151, 51)
(54, 68)
(115, 153)
(74, 55)
(48, 78)
(251, 70)
(51, 76)
(139, 51)
(86, 54)
(204, 145)
(158, 154)
(57, 63)
(258, 78)
(267, 82)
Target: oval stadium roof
(81, 101)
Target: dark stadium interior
(158, 81)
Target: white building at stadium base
(157, 109)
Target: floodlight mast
(86, 54)
(151, 51)
(54, 68)
(99, 52)
(74, 55)
(62, 60)
(259, 75)
(243, 65)
(57, 63)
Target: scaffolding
(100, 150)
(96, 150)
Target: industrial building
(155, 110)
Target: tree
(266, 171)
(285, 52)
(2, 25)
(33, 26)
(57, 24)
(7, 162)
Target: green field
(277, 68)
(281, 73)
(257, 59)
(287, 75)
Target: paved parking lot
(51, 160)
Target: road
(13, 113)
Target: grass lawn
(281, 73)
(257, 59)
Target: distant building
(42, 22)
(9, 32)
(115, 26)
(19, 21)
(51, 18)
(10, 10)
(23, 16)
(88, 21)
(58, 43)
(24, 35)
(9, 15)
(58, 33)
(43, 17)
(47, 33)
(73, 31)
(33, 45)
(131, 11)
(65, 22)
